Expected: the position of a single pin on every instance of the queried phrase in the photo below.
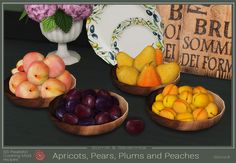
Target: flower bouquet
(60, 24)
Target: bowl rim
(123, 116)
(191, 122)
(7, 90)
(114, 77)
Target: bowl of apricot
(185, 108)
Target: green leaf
(26, 19)
(49, 24)
(63, 21)
(23, 14)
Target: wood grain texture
(186, 126)
(136, 90)
(37, 103)
(93, 129)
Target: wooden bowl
(186, 126)
(92, 129)
(136, 90)
(37, 103)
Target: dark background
(29, 127)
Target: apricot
(185, 88)
(170, 89)
(199, 89)
(27, 90)
(180, 106)
(200, 100)
(52, 88)
(31, 57)
(157, 107)
(211, 97)
(192, 107)
(187, 96)
(200, 114)
(168, 113)
(184, 117)
(212, 110)
(15, 80)
(38, 73)
(159, 97)
(56, 65)
(169, 100)
(66, 79)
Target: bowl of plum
(88, 112)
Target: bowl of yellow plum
(185, 108)
(145, 73)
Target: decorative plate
(104, 28)
(151, 36)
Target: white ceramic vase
(58, 36)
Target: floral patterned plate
(150, 35)
(105, 28)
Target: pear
(127, 75)
(146, 56)
(148, 77)
(168, 72)
(123, 59)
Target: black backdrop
(30, 30)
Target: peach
(27, 90)
(185, 88)
(15, 80)
(52, 88)
(199, 89)
(66, 79)
(200, 114)
(200, 100)
(14, 70)
(38, 73)
(169, 100)
(170, 89)
(40, 87)
(159, 97)
(184, 117)
(180, 106)
(19, 65)
(187, 96)
(168, 113)
(56, 65)
(157, 107)
(212, 110)
(31, 57)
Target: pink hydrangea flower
(77, 12)
(39, 12)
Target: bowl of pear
(145, 73)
